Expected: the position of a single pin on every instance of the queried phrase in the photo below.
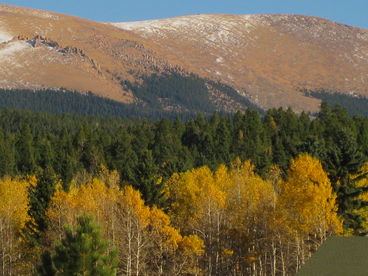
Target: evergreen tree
(80, 252)
(44, 151)
(361, 125)
(147, 180)
(66, 164)
(344, 162)
(222, 142)
(26, 163)
(166, 148)
(46, 268)
(39, 199)
(123, 157)
(7, 154)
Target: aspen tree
(309, 205)
(13, 218)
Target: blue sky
(351, 12)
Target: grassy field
(345, 256)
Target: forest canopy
(225, 194)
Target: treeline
(171, 95)
(64, 101)
(354, 104)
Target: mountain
(268, 57)
(46, 50)
(189, 63)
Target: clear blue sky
(351, 12)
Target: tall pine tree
(81, 252)
(344, 162)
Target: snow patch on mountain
(12, 48)
(216, 31)
(4, 36)
(208, 25)
(202, 22)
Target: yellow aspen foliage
(13, 217)
(250, 205)
(248, 223)
(142, 235)
(109, 178)
(32, 180)
(250, 196)
(190, 250)
(195, 195)
(307, 198)
(363, 183)
(161, 227)
(227, 252)
(60, 212)
(133, 218)
(192, 244)
(222, 179)
(164, 241)
(92, 198)
(97, 199)
(222, 207)
(14, 201)
(132, 201)
(273, 175)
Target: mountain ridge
(269, 59)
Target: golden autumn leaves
(227, 222)
(141, 234)
(13, 218)
(243, 218)
(307, 195)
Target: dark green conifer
(343, 163)
(147, 179)
(81, 252)
(26, 163)
(39, 199)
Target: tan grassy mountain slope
(39, 49)
(270, 57)
(265, 57)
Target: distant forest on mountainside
(354, 104)
(186, 98)
(58, 102)
(168, 95)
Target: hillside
(267, 59)
(46, 50)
